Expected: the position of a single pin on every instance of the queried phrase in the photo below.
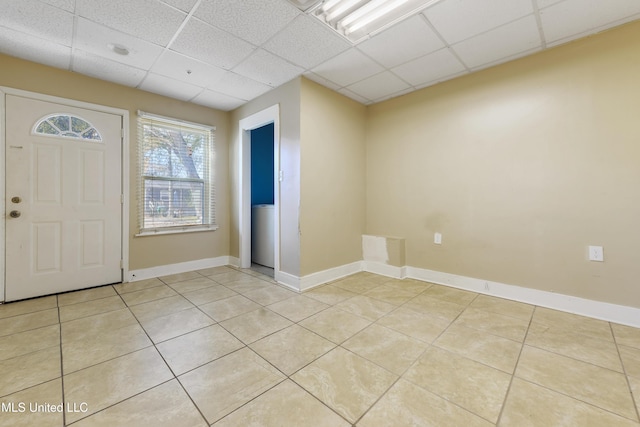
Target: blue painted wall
(262, 175)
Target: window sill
(177, 230)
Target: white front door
(63, 198)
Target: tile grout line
(245, 346)
(515, 368)
(288, 377)
(64, 412)
(114, 358)
(175, 377)
(624, 372)
(593, 405)
(340, 345)
(432, 345)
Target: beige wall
(153, 250)
(520, 167)
(287, 97)
(332, 179)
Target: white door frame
(246, 125)
(124, 179)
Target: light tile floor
(229, 347)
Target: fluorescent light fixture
(357, 15)
(336, 8)
(372, 16)
(357, 20)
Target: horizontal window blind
(176, 186)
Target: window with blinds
(176, 188)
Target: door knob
(15, 214)
(16, 199)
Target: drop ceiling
(223, 53)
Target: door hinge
(121, 263)
(122, 199)
(122, 132)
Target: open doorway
(262, 199)
(260, 134)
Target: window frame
(209, 202)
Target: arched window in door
(66, 126)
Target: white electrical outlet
(437, 238)
(596, 253)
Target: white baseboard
(312, 280)
(181, 267)
(596, 309)
(384, 269)
(599, 310)
(234, 261)
(321, 277)
(289, 280)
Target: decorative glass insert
(67, 126)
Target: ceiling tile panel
(68, 5)
(546, 3)
(393, 95)
(38, 19)
(573, 18)
(185, 5)
(150, 20)
(361, 99)
(321, 80)
(267, 68)
(187, 70)
(105, 69)
(518, 36)
(457, 20)
(217, 100)
(95, 38)
(348, 67)
(211, 45)
(169, 87)
(430, 68)
(247, 47)
(444, 79)
(506, 59)
(402, 43)
(306, 42)
(378, 86)
(255, 21)
(238, 86)
(34, 49)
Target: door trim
(124, 155)
(245, 126)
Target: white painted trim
(385, 269)
(321, 277)
(234, 261)
(254, 121)
(126, 201)
(288, 280)
(3, 240)
(596, 309)
(124, 166)
(181, 267)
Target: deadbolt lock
(16, 199)
(15, 214)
